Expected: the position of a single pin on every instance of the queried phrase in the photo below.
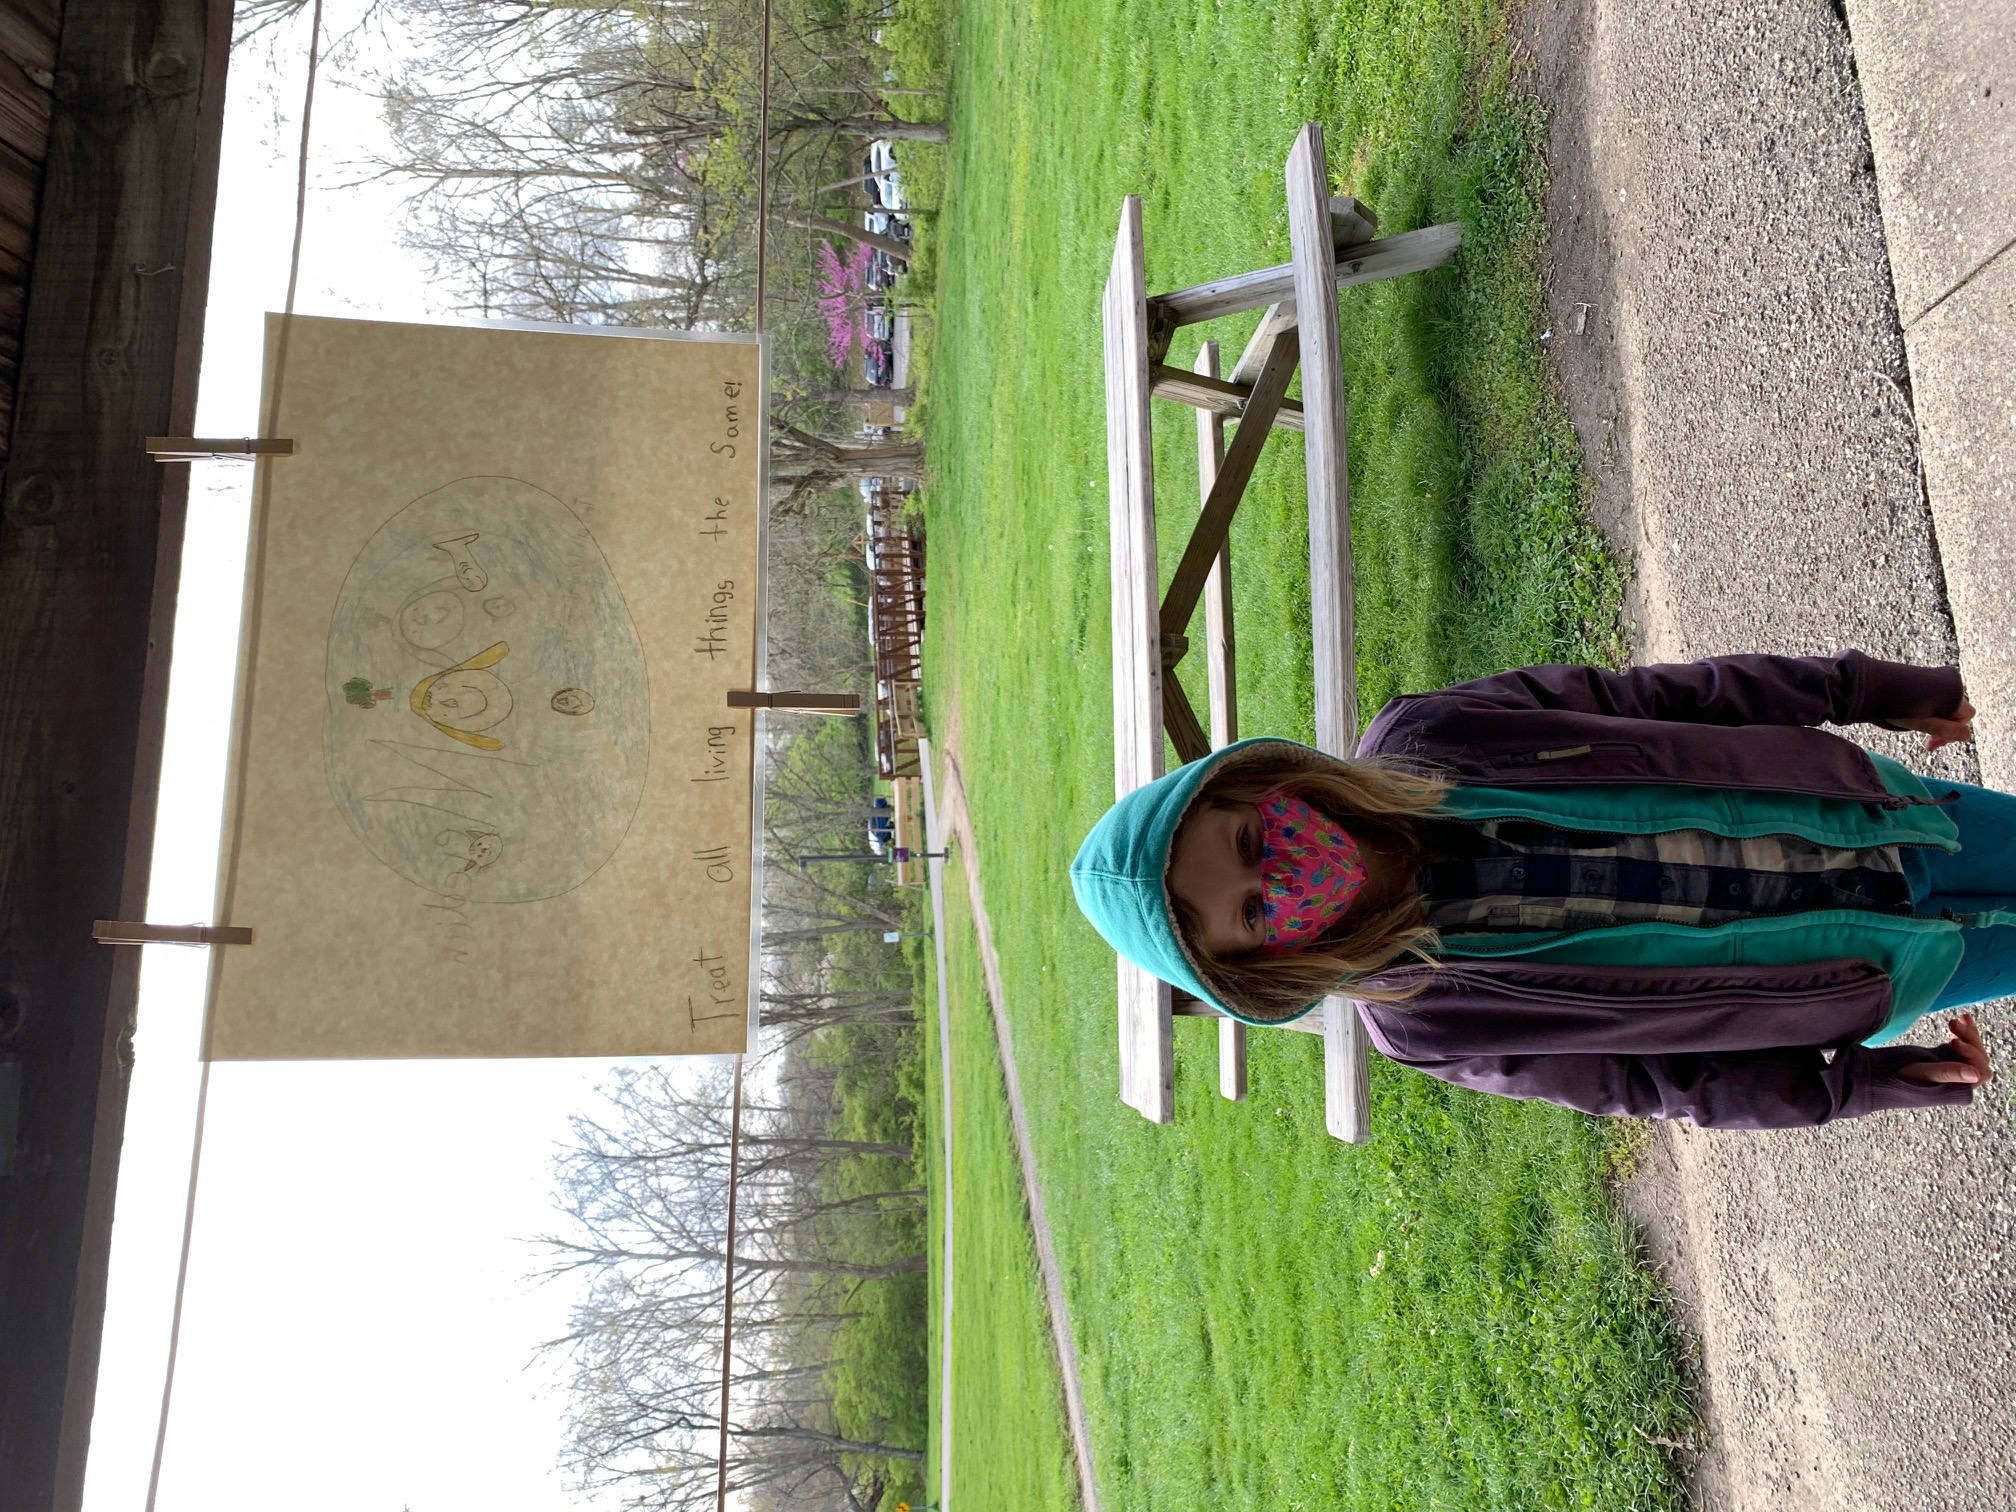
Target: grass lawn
(1451, 1317)
(1011, 1451)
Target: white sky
(359, 1331)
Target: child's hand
(1971, 1067)
(1939, 732)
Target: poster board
(486, 795)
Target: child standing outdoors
(1663, 892)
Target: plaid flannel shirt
(1514, 874)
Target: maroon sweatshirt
(1748, 1047)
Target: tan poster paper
(487, 795)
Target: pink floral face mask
(1310, 870)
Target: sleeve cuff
(1886, 1090)
(1889, 690)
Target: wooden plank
(1350, 224)
(90, 548)
(1215, 519)
(1350, 221)
(1186, 1006)
(1216, 396)
(28, 41)
(1389, 257)
(1179, 718)
(1347, 1077)
(1330, 608)
(1147, 1043)
(1220, 669)
(1220, 651)
(1279, 317)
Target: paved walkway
(1938, 84)
(954, 820)
(1759, 218)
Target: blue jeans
(1979, 880)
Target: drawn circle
(431, 618)
(454, 786)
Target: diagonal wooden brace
(1179, 718)
(1214, 522)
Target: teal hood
(1119, 875)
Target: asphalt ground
(1727, 332)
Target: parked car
(882, 271)
(881, 158)
(888, 189)
(879, 322)
(878, 362)
(884, 224)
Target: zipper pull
(1563, 753)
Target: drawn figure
(563, 789)
(467, 572)
(431, 618)
(466, 699)
(477, 849)
(358, 691)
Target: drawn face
(477, 850)
(431, 620)
(469, 700)
(573, 701)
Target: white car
(881, 158)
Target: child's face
(1214, 868)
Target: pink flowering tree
(843, 290)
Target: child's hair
(1377, 800)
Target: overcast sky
(359, 1333)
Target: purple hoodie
(1748, 1047)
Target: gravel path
(1725, 330)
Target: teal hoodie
(1119, 877)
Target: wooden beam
(90, 549)
(1330, 600)
(1215, 519)
(1351, 222)
(1147, 1043)
(1279, 317)
(1222, 673)
(1186, 731)
(1185, 1006)
(1389, 257)
(1216, 396)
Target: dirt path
(1725, 329)
(954, 819)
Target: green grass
(1010, 1448)
(1452, 1317)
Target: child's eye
(1246, 843)
(1252, 913)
